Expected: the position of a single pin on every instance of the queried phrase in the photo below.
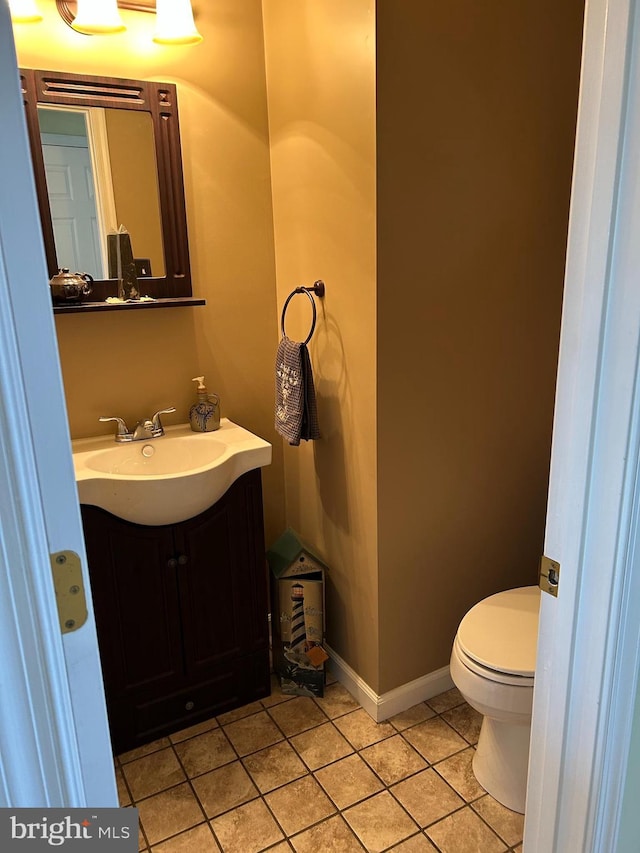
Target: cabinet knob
(189, 706)
(183, 560)
(172, 563)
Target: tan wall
(131, 364)
(476, 114)
(321, 94)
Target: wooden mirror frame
(158, 99)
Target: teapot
(69, 287)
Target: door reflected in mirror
(101, 173)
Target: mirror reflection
(101, 173)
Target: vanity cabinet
(181, 614)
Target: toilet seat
(488, 673)
(497, 638)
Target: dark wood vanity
(181, 613)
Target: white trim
(394, 701)
(587, 641)
(41, 767)
(54, 733)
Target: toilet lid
(501, 632)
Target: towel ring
(317, 288)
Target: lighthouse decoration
(297, 594)
(298, 631)
(296, 651)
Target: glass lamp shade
(174, 23)
(95, 17)
(24, 12)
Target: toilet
(493, 666)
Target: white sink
(168, 479)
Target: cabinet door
(222, 583)
(135, 599)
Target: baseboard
(394, 701)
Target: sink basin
(168, 479)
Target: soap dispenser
(204, 416)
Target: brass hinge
(69, 588)
(549, 575)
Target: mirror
(106, 153)
(101, 173)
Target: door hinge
(549, 575)
(69, 588)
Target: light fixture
(174, 18)
(24, 12)
(97, 17)
(174, 23)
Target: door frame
(54, 736)
(588, 646)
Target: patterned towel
(296, 412)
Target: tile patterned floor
(318, 776)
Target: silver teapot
(69, 287)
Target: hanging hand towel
(296, 413)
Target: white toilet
(493, 664)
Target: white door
(72, 201)
(54, 738)
(589, 642)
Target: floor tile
(139, 751)
(426, 797)
(298, 715)
(464, 832)
(380, 822)
(348, 781)
(299, 805)
(393, 759)
(418, 714)
(153, 773)
(225, 788)
(445, 701)
(239, 713)
(274, 766)
(360, 730)
(169, 813)
(198, 729)
(321, 746)
(509, 825)
(466, 721)
(411, 771)
(458, 772)
(199, 839)
(253, 733)
(330, 836)
(416, 844)
(336, 701)
(249, 829)
(435, 740)
(205, 752)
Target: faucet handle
(158, 429)
(122, 433)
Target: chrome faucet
(146, 429)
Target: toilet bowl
(493, 665)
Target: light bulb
(96, 17)
(174, 23)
